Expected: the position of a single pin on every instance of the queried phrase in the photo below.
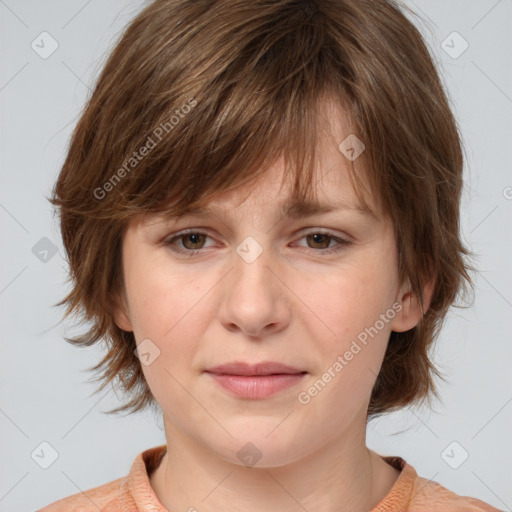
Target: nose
(256, 300)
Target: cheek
(172, 310)
(350, 347)
(345, 302)
(165, 308)
(345, 329)
(162, 299)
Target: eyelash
(193, 252)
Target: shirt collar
(136, 492)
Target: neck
(341, 475)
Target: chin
(260, 448)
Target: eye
(192, 242)
(321, 240)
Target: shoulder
(430, 495)
(129, 493)
(104, 498)
(413, 493)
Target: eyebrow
(302, 208)
(298, 209)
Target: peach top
(133, 493)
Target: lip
(257, 387)
(258, 369)
(256, 381)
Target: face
(247, 283)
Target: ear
(411, 314)
(121, 316)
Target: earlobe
(411, 312)
(121, 316)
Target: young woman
(260, 206)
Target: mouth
(254, 370)
(255, 381)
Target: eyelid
(302, 232)
(307, 230)
(342, 240)
(199, 231)
(324, 231)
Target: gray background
(44, 392)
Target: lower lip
(257, 386)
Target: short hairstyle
(216, 91)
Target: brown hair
(215, 92)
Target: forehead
(330, 187)
(332, 183)
(329, 195)
(272, 195)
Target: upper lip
(264, 368)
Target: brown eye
(192, 243)
(320, 240)
(192, 240)
(189, 243)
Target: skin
(293, 304)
